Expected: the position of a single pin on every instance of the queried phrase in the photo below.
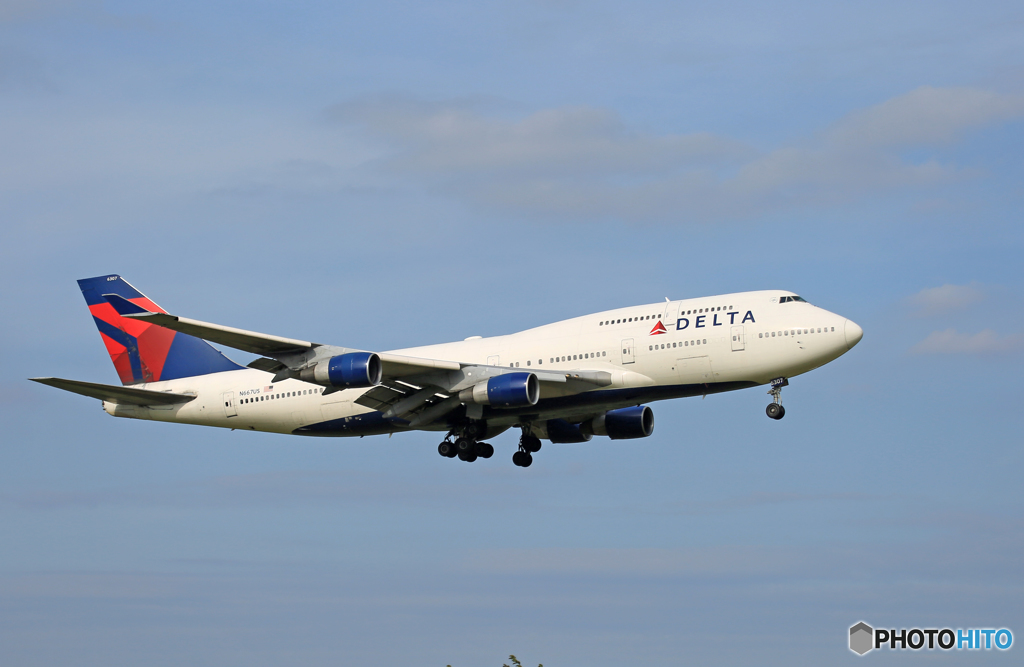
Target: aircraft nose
(853, 334)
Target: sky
(392, 174)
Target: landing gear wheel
(530, 443)
(517, 458)
(446, 449)
(775, 409)
(484, 450)
(468, 457)
(464, 446)
(526, 460)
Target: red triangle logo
(659, 328)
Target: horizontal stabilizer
(240, 339)
(111, 394)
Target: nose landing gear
(775, 409)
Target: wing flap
(400, 399)
(267, 365)
(397, 365)
(112, 394)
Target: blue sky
(393, 174)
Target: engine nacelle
(561, 432)
(624, 424)
(511, 390)
(352, 370)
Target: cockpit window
(787, 299)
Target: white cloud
(952, 341)
(572, 141)
(587, 162)
(926, 116)
(947, 298)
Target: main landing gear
(775, 409)
(464, 445)
(529, 444)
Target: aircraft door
(671, 314)
(229, 404)
(627, 351)
(494, 360)
(737, 338)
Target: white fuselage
(708, 345)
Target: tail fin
(144, 352)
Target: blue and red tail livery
(144, 352)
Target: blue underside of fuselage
(373, 423)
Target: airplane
(563, 382)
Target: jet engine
(352, 370)
(559, 431)
(511, 390)
(624, 424)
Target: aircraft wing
(394, 365)
(240, 339)
(112, 394)
(414, 388)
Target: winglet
(123, 306)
